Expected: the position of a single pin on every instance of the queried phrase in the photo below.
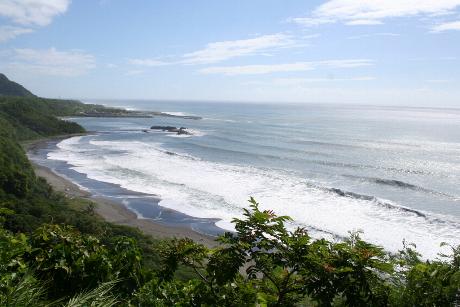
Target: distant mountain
(10, 88)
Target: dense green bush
(17, 285)
(58, 262)
(265, 264)
(77, 262)
(16, 174)
(261, 264)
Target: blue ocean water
(391, 172)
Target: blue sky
(387, 52)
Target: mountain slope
(33, 118)
(10, 88)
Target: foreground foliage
(265, 264)
(261, 264)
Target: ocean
(391, 172)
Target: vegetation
(55, 251)
(33, 118)
(262, 264)
(10, 88)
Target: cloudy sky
(390, 52)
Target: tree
(264, 263)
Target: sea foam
(218, 190)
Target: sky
(377, 52)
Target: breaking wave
(220, 190)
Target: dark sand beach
(111, 211)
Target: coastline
(109, 210)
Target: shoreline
(111, 211)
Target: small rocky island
(179, 131)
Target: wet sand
(111, 211)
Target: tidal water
(393, 173)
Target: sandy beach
(111, 211)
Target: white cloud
(310, 22)
(33, 12)
(257, 69)
(346, 63)
(447, 26)
(303, 81)
(374, 35)
(147, 62)
(52, 62)
(289, 67)
(30, 13)
(10, 32)
(363, 22)
(310, 36)
(365, 12)
(220, 51)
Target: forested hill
(13, 93)
(24, 118)
(14, 99)
(10, 88)
(53, 247)
(31, 117)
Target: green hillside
(33, 117)
(10, 88)
(28, 204)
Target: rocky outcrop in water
(179, 131)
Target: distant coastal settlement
(60, 246)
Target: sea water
(391, 172)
